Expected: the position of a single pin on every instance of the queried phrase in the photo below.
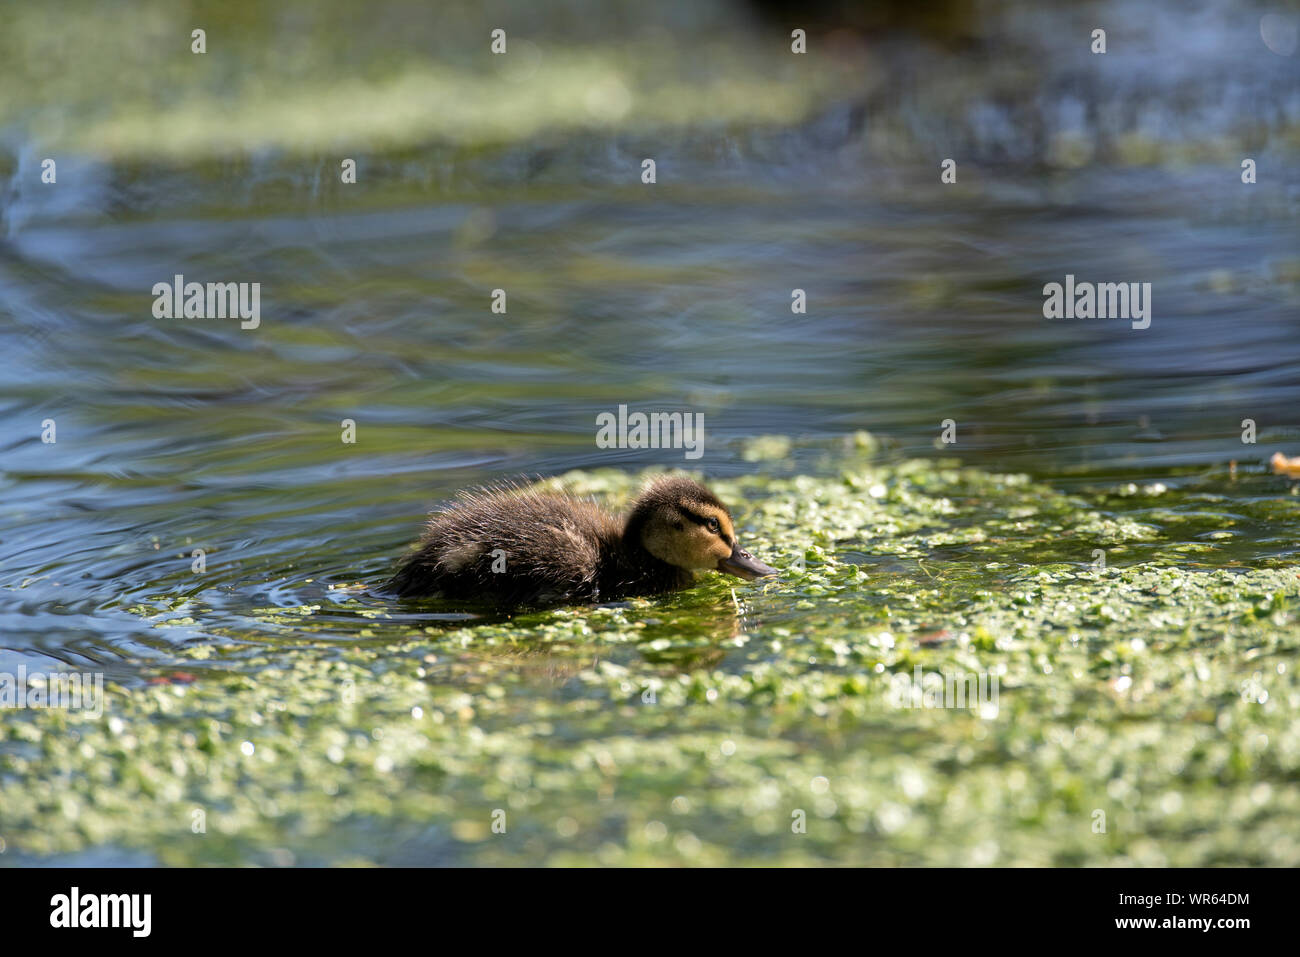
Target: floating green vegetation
(306, 80)
(1139, 704)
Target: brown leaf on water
(176, 677)
(1285, 466)
(935, 637)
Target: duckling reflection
(511, 547)
(547, 666)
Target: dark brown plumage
(511, 546)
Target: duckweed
(1145, 710)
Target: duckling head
(680, 522)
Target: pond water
(924, 304)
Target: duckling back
(510, 546)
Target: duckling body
(512, 546)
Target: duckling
(513, 546)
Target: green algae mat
(1123, 662)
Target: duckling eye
(713, 525)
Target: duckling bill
(514, 546)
